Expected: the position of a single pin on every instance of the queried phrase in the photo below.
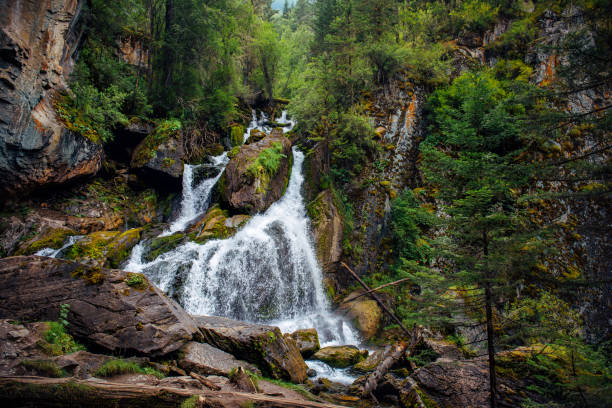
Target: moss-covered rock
(340, 356)
(371, 362)
(216, 224)
(92, 248)
(255, 136)
(214, 149)
(307, 341)
(327, 229)
(257, 175)
(162, 245)
(118, 250)
(52, 238)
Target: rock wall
(38, 39)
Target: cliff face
(37, 41)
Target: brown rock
(307, 340)
(265, 346)
(38, 39)
(160, 164)
(243, 381)
(373, 360)
(208, 360)
(327, 229)
(365, 313)
(81, 364)
(247, 186)
(104, 309)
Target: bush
(56, 341)
(267, 162)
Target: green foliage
(266, 163)
(409, 221)
(164, 130)
(474, 15)
(118, 366)
(56, 341)
(353, 142)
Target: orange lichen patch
(549, 74)
(410, 112)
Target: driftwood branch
(204, 381)
(397, 282)
(62, 392)
(377, 299)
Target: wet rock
(311, 373)
(340, 356)
(38, 39)
(307, 341)
(215, 224)
(50, 238)
(255, 136)
(257, 175)
(364, 312)
(208, 360)
(262, 345)
(327, 229)
(115, 310)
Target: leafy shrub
(56, 340)
(474, 15)
(267, 162)
(408, 221)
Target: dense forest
(456, 165)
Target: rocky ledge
(112, 309)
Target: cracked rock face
(37, 41)
(104, 309)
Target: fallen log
(372, 380)
(96, 393)
(204, 381)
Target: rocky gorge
(185, 263)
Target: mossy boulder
(161, 245)
(371, 362)
(307, 341)
(340, 356)
(257, 175)
(255, 136)
(92, 249)
(158, 159)
(214, 149)
(364, 312)
(51, 238)
(265, 346)
(118, 250)
(216, 224)
(104, 248)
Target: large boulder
(115, 310)
(265, 346)
(37, 41)
(205, 359)
(364, 312)
(340, 356)
(158, 159)
(104, 248)
(307, 341)
(257, 175)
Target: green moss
(120, 247)
(163, 244)
(136, 280)
(92, 275)
(53, 239)
(162, 133)
(74, 120)
(191, 402)
(234, 152)
(45, 368)
(117, 367)
(93, 246)
(236, 135)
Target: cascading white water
(196, 197)
(267, 272)
(53, 253)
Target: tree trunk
(490, 332)
(372, 380)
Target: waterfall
(54, 253)
(267, 272)
(196, 196)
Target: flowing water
(55, 253)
